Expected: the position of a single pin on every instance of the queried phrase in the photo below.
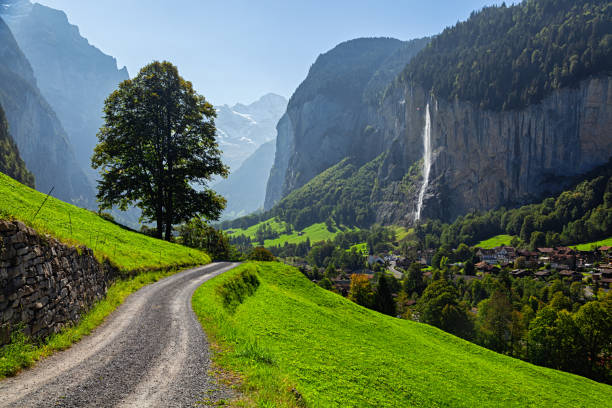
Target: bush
(237, 289)
(261, 254)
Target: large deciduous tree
(157, 149)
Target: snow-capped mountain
(241, 129)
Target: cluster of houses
(568, 262)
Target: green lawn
(596, 244)
(315, 232)
(498, 240)
(73, 225)
(295, 344)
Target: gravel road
(151, 352)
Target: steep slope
(511, 105)
(243, 128)
(128, 250)
(502, 137)
(245, 188)
(11, 163)
(299, 345)
(327, 115)
(73, 76)
(41, 139)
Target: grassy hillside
(316, 232)
(296, 344)
(73, 225)
(590, 245)
(498, 240)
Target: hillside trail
(150, 352)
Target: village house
(542, 274)
(487, 256)
(572, 275)
(505, 255)
(484, 267)
(520, 273)
(545, 254)
(531, 257)
(603, 276)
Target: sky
(238, 50)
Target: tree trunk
(160, 226)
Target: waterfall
(426, 161)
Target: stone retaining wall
(44, 284)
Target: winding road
(150, 352)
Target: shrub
(261, 254)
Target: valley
(415, 221)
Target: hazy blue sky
(237, 50)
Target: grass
(591, 245)
(401, 232)
(76, 226)
(22, 352)
(361, 248)
(498, 240)
(315, 232)
(127, 250)
(295, 344)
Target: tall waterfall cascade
(426, 161)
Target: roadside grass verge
(126, 249)
(294, 344)
(498, 240)
(22, 352)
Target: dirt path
(151, 352)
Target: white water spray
(426, 161)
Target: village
(594, 267)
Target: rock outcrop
(41, 139)
(44, 284)
(11, 162)
(73, 76)
(485, 159)
(327, 116)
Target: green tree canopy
(157, 144)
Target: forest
(505, 58)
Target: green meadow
(127, 249)
(315, 233)
(295, 344)
(498, 240)
(590, 245)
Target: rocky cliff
(517, 105)
(484, 159)
(11, 162)
(41, 139)
(73, 76)
(327, 116)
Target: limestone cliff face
(485, 159)
(73, 76)
(41, 139)
(328, 115)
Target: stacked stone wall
(45, 285)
